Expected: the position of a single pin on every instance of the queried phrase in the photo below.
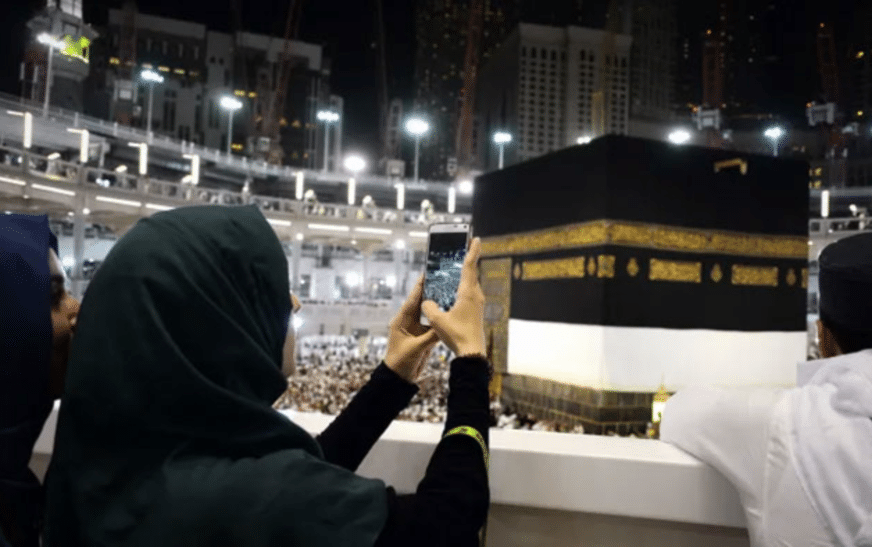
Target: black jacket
(451, 502)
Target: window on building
(164, 47)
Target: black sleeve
(451, 502)
(352, 434)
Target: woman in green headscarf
(167, 436)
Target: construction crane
(270, 106)
(828, 115)
(601, 97)
(466, 122)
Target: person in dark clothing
(167, 435)
(37, 322)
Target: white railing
(240, 164)
(37, 166)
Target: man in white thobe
(800, 458)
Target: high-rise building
(652, 66)
(70, 63)
(441, 30)
(199, 67)
(859, 63)
(539, 85)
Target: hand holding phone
(462, 327)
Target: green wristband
(466, 430)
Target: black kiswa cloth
(166, 435)
(845, 282)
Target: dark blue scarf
(25, 346)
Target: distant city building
(441, 30)
(199, 67)
(539, 85)
(652, 67)
(62, 21)
(859, 73)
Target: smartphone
(446, 250)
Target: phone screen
(444, 264)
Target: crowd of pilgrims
(332, 368)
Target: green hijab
(166, 435)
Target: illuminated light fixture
(465, 187)
(163, 68)
(352, 279)
(275, 222)
(377, 231)
(825, 204)
(121, 169)
(119, 201)
(53, 156)
(17, 182)
(156, 207)
(502, 137)
(252, 95)
(147, 65)
(114, 61)
(84, 143)
(68, 261)
(452, 200)
(195, 168)
(355, 164)
(417, 127)
(299, 236)
(401, 195)
(86, 211)
(418, 234)
(143, 156)
(54, 190)
(239, 93)
(774, 133)
(179, 71)
(328, 116)
(151, 76)
(679, 136)
(400, 244)
(352, 191)
(391, 281)
(584, 139)
(27, 136)
(861, 54)
(329, 227)
(300, 181)
(186, 179)
(297, 321)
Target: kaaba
(616, 267)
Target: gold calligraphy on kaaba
(497, 287)
(805, 278)
(755, 276)
(672, 238)
(606, 266)
(561, 268)
(717, 274)
(633, 267)
(675, 270)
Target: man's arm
(727, 429)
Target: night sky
(346, 28)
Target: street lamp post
(231, 105)
(501, 138)
(417, 127)
(152, 78)
(328, 117)
(53, 44)
(774, 133)
(355, 164)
